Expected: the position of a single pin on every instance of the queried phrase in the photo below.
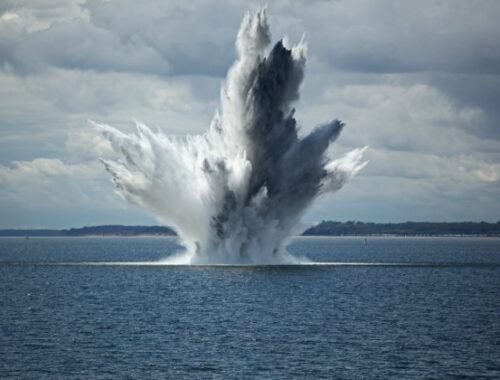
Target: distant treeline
(118, 230)
(114, 230)
(325, 228)
(330, 228)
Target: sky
(417, 82)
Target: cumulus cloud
(449, 45)
(381, 37)
(156, 37)
(388, 36)
(395, 115)
(473, 90)
(38, 15)
(76, 44)
(115, 94)
(488, 172)
(45, 180)
(173, 29)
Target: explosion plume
(236, 193)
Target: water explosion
(236, 193)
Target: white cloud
(6, 17)
(394, 115)
(388, 36)
(488, 172)
(50, 181)
(77, 44)
(32, 16)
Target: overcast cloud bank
(419, 83)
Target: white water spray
(236, 193)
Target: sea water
(388, 308)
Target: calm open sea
(433, 313)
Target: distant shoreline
(397, 236)
(323, 229)
(293, 236)
(29, 237)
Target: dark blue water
(436, 320)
